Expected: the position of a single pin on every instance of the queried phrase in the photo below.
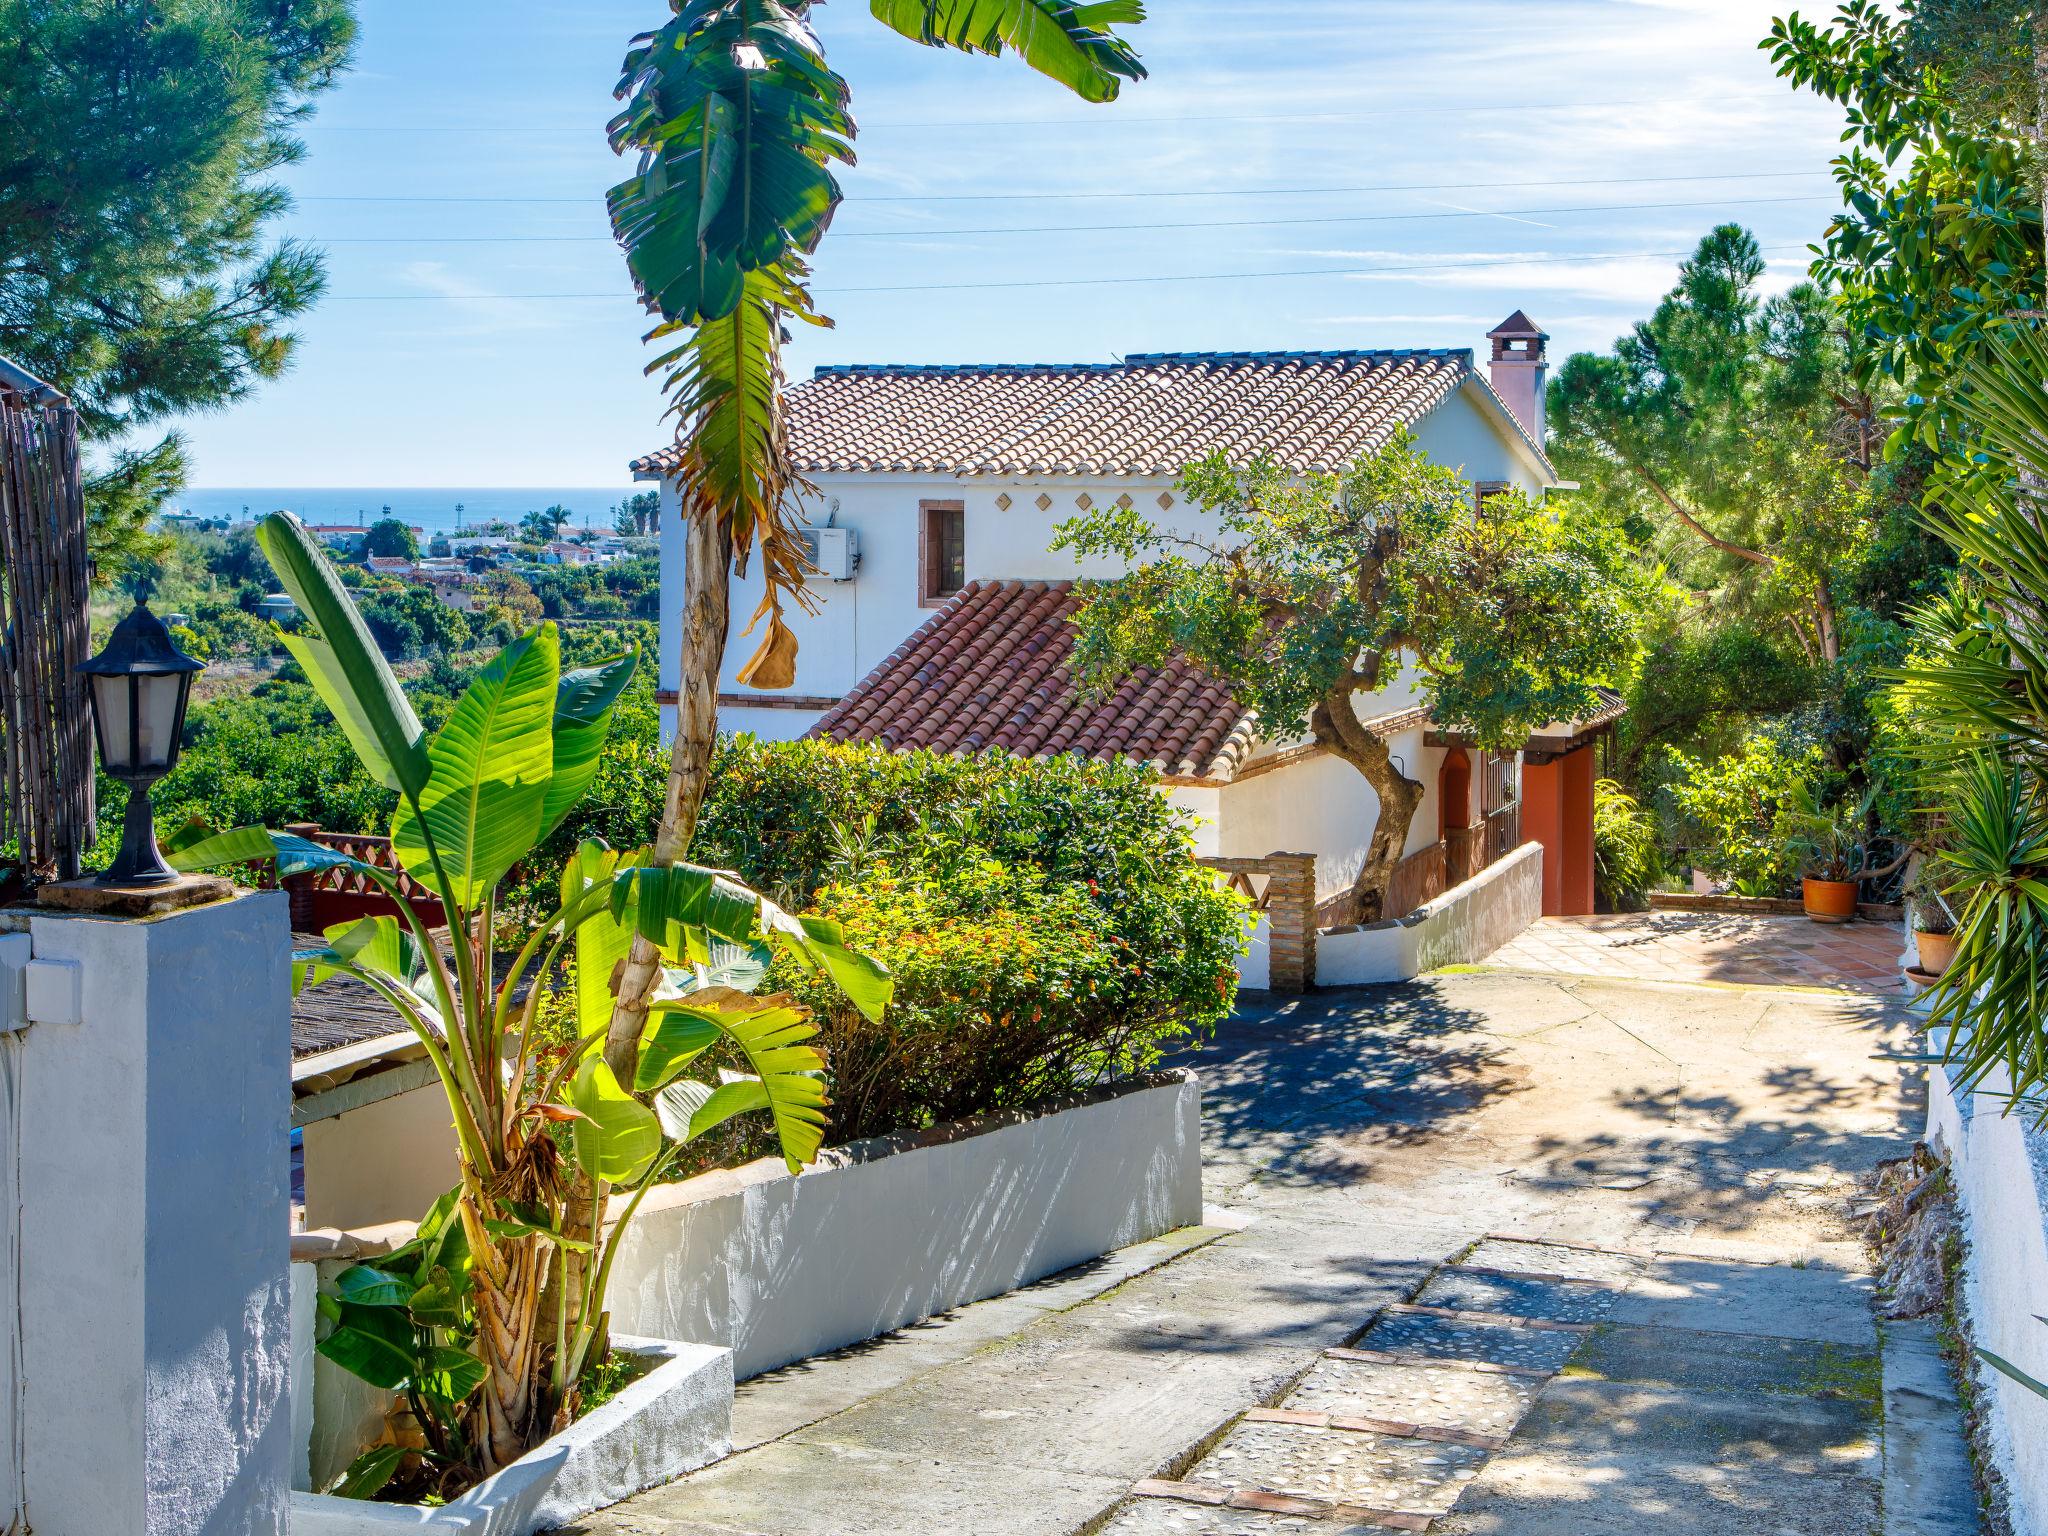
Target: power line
(595, 131)
(1072, 229)
(590, 199)
(1084, 282)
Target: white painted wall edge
(673, 1420)
(2000, 1168)
(1461, 927)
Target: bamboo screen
(46, 814)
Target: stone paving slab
(1441, 1339)
(1770, 1300)
(1170, 1517)
(1562, 1259)
(856, 1491)
(778, 1402)
(1704, 1361)
(1439, 1396)
(1343, 1466)
(1928, 1487)
(1598, 1458)
(1729, 949)
(1518, 1295)
(1061, 1396)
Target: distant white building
(943, 614)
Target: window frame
(930, 554)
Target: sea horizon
(432, 509)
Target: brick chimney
(1520, 366)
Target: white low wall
(876, 1236)
(885, 1233)
(1461, 927)
(2000, 1167)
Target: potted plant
(486, 1325)
(1934, 921)
(1832, 846)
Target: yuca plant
(486, 1321)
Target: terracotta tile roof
(990, 670)
(1149, 415)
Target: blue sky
(1417, 170)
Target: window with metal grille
(943, 554)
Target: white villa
(942, 612)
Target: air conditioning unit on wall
(834, 551)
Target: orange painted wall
(1557, 811)
(1543, 822)
(1577, 883)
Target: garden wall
(876, 1236)
(2000, 1166)
(1461, 927)
(885, 1233)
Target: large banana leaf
(583, 718)
(688, 1109)
(603, 939)
(616, 1137)
(1067, 41)
(345, 666)
(771, 1034)
(736, 117)
(491, 764)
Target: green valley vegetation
(137, 269)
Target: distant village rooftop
(1145, 417)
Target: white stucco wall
(2000, 1167)
(861, 621)
(1461, 927)
(779, 1268)
(155, 1202)
(388, 1161)
(1204, 808)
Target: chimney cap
(1515, 326)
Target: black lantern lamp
(140, 684)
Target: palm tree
(737, 119)
(1979, 684)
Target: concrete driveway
(1512, 1254)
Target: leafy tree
(737, 119)
(1943, 183)
(1311, 593)
(1728, 420)
(390, 539)
(638, 516)
(137, 146)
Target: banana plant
(536, 1125)
(736, 120)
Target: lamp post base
(151, 900)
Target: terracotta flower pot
(1937, 951)
(1830, 901)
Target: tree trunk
(1338, 730)
(506, 1279)
(707, 612)
(707, 591)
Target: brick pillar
(1291, 913)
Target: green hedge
(1046, 920)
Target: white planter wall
(2000, 1166)
(880, 1234)
(1461, 927)
(888, 1232)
